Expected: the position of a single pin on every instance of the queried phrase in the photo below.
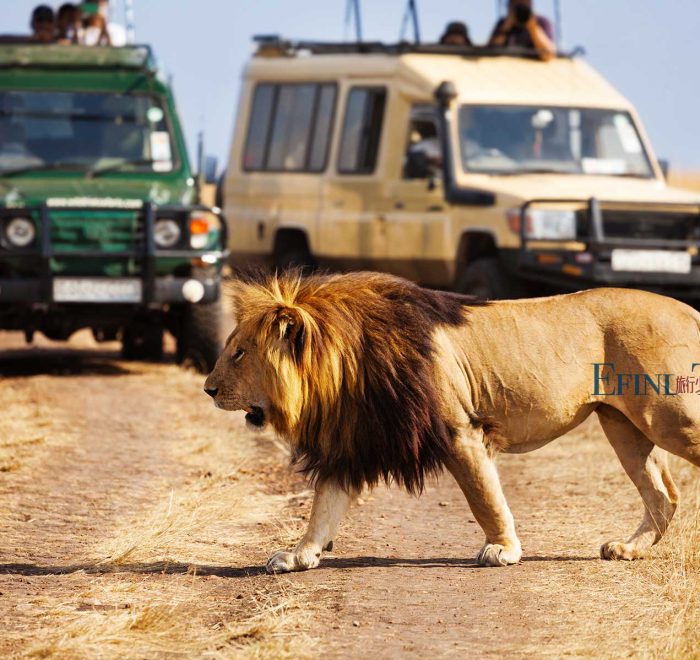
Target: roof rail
(273, 45)
(18, 52)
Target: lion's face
(237, 382)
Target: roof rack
(275, 46)
(18, 52)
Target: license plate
(651, 261)
(94, 290)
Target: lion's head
(236, 382)
(341, 366)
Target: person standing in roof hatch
(525, 29)
(456, 34)
(117, 33)
(43, 24)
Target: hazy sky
(649, 49)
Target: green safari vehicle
(99, 222)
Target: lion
(371, 378)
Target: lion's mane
(349, 372)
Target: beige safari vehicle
(491, 173)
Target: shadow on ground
(17, 363)
(248, 571)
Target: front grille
(644, 225)
(102, 231)
(626, 224)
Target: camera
(522, 14)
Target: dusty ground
(135, 519)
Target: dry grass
(24, 431)
(221, 506)
(125, 623)
(176, 573)
(690, 180)
(675, 571)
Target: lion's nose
(211, 391)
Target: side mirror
(209, 168)
(417, 165)
(665, 167)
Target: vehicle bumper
(566, 273)
(163, 291)
(603, 227)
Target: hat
(43, 14)
(457, 27)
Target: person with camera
(524, 29)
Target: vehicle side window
(260, 115)
(322, 129)
(362, 129)
(423, 159)
(290, 127)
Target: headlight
(20, 232)
(166, 233)
(545, 224)
(201, 224)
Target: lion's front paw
(493, 554)
(617, 550)
(286, 562)
(282, 562)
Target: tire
(292, 252)
(487, 279)
(294, 258)
(142, 341)
(199, 338)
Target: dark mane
(387, 421)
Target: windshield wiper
(632, 175)
(44, 167)
(544, 170)
(525, 172)
(113, 167)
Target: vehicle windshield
(519, 139)
(77, 130)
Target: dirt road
(136, 517)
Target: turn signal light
(199, 231)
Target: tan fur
(509, 376)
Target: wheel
(486, 278)
(199, 337)
(292, 252)
(294, 258)
(142, 341)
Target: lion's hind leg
(646, 465)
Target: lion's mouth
(255, 415)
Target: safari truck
(489, 172)
(100, 225)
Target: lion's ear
(291, 330)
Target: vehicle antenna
(412, 14)
(558, 24)
(129, 20)
(353, 9)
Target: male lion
(371, 378)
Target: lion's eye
(238, 355)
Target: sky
(648, 49)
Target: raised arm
(499, 36)
(542, 41)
